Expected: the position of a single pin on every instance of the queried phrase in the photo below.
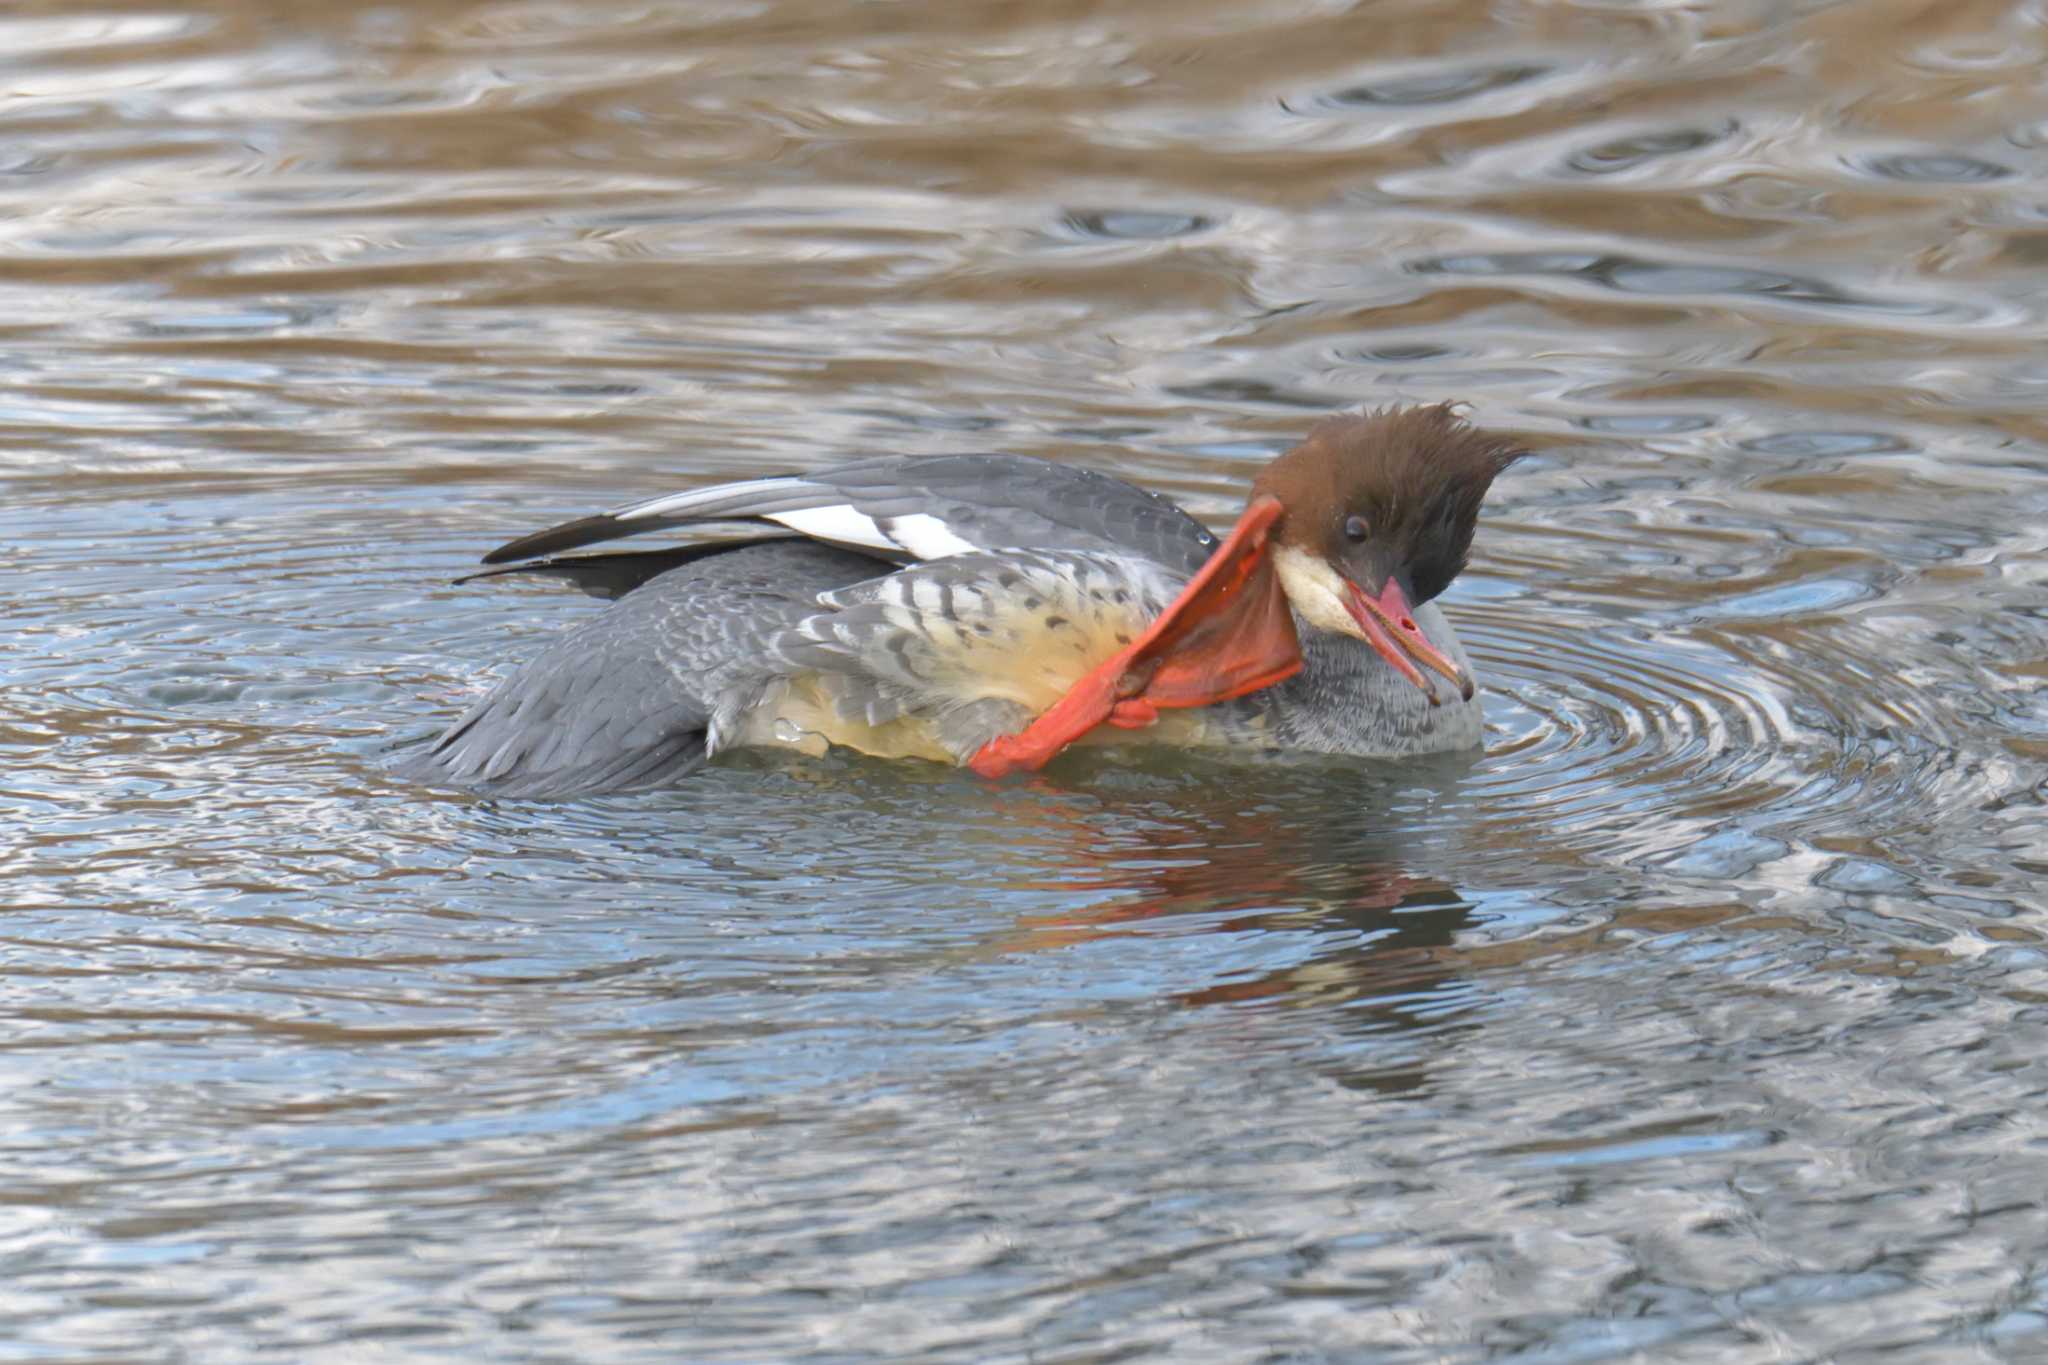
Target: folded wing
(917, 509)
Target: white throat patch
(1314, 589)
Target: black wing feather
(992, 502)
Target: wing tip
(570, 535)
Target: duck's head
(1377, 513)
(1350, 531)
(1353, 529)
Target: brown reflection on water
(1317, 858)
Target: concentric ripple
(1705, 753)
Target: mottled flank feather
(975, 645)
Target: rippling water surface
(1701, 1018)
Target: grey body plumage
(1347, 701)
(625, 700)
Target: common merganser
(989, 610)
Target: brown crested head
(1392, 494)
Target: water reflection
(1628, 153)
(1434, 87)
(1300, 852)
(1640, 276)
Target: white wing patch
(839, 522)
(928, 537)
(919, 533)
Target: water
(1700, 1018)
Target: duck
(993, 611)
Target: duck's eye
(1356, 531)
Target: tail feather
(626, 700)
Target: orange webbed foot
(1133, 714)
